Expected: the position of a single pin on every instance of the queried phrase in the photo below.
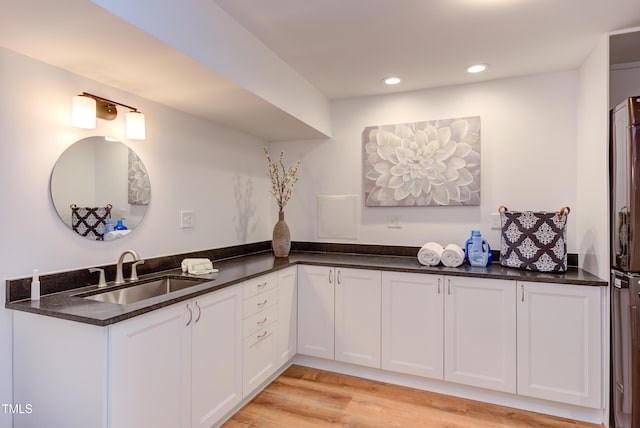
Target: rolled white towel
(452, 256)
(201, 268)
(430, 254)
(197, 266)
(116, 234)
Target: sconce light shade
(86, 107)
(84, 112)
(135, 125)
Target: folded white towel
(452, 256)
(116, 234)
(430, 254)
(197, 266)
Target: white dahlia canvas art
(430, 163)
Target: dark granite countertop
(67, 305)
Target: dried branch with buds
(282, 179)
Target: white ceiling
(342, 47)
(345, 47)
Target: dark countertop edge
(574, 276)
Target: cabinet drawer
(259, 285)
(259, 321)
(260, 302)
(259, 356)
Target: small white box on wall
(337, 216)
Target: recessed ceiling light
(392, 80)
(477, 68)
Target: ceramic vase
(281, 242)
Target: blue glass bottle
(120, 226)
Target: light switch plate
(186, 219)
(495, 221)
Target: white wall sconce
(87, 107)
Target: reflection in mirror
(100, 188)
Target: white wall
(217, 173)
(593, 161)
(528, 158)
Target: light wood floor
(303, 397)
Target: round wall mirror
(100, 188)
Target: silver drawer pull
(261, 304)
(190, 315)
(264, 284)
(199, 312)
(260, 336)
(262, 322)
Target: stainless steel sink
(143, 290)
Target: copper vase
(281, 242)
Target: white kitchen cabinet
(260, 327)
(149, 364)
(357, 316)
(216, 356)
(413, 323)
(287, 314)
(316, 318)
(560, 343)
(59, 369)
(480, 333)
(177, 366)
(259, 357)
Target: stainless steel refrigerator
(625, 262)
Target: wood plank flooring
(303, 397)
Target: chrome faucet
(119, 276)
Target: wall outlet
(495, 221)
(186, 219)
(393, 222)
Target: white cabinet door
(480, 333)
(357, 316)
(413, 323)
(148, 372)
(287, 315)
(259, 350)
(316, 311)
(216, 355)
(560, 343)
